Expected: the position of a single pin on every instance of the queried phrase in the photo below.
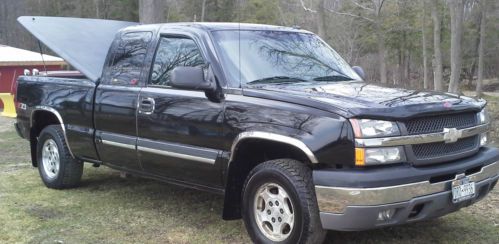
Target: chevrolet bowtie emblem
(452, 135)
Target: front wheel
(279, 204)
(57, 168)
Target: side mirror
(360, 71)
(191, 78)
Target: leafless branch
(306, 8)
(351, 15)
(361, 6)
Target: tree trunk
(401, 61)
(151, 11)
(483, 4)
(381, 54)
(380, 39)
(437, 58)
(425, 54)
(321, 20)
(400, 65)
(407, 67)
(203, 10)
(97, 8)
(456, 15)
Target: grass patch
(109, 209)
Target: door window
(128, 59)
(173, 52)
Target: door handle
(147, 105)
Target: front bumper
(348, 207)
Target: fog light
(386, 215)
(483, 139)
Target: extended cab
(272, 118)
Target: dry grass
(109, 209)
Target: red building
(13, 62)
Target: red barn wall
(9, 74)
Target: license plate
(462, 190)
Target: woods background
(433, 44)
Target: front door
(179, 131)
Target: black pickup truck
(272, 118)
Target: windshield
(279, 56)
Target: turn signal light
(360, 154)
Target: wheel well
(40, 119)
(248, 154)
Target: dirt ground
(109, 209)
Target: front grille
(441, 149)
(435, 124)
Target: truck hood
(361, 99)
(83, 43)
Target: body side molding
(177, 150)
(272, 137)
(176, 155)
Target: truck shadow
(199, 209)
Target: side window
(128, 58)
(173, 52)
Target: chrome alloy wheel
(274, 212)
(50, 158)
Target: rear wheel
(279, 204)
(57, 168)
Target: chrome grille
(437, 152)
(435, 124)
(440, 149)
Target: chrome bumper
(337, 199)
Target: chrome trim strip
(273, 137)
(58, 116)
(336, 199)
(118, 144)
(419, 139)
(176, 155)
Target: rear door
(179, 131)
(116, 100)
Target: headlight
(483, 116)
(378, 156)
(364, 128)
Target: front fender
(326, 138)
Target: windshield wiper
(276, 79)
(333, 78)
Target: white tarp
(83, 43)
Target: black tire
(296, 179)
(69, 171)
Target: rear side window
(128, 58)
(173, 52)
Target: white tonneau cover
(83, 43)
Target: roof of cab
(218, 26)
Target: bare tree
(425, 51)
(456, 17)
(437, 56)
(483, 10)
(321, 19)
(151, 11)
(203, 10)
(97, 8)
(373, 16)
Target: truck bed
(72, 98)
